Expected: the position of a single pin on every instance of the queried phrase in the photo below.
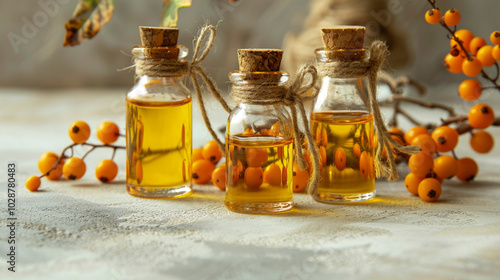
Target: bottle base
(259, 208)
(341, 198)
(159, 192)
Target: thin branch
(425, 104)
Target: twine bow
(369, 68)
(292, 96)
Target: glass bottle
(259, 143)
(343, 124)
(158, 128)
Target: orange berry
(414, 132)
(202, 171)
(272, 175)
(485, 56)
(481, 116)
(33, 183)
(106, 171)
(300, 179)
(446, 138)
(108, 132)
(467, 169)
(433, 16)
(46, 162)
(433, 174)
(445, 166)
(212, 152)
(496, 52)
(364, 164)
(322, 155)
(429, 189)
(411, 183)
(396, 131)
(74, 168)
(495, 37)
(470, 89)
(426, 143)
(197, 154)
(235, 172)
(324, 138)
(356, 150)
(253, 177)
(219, 177)
(79, 132)
(452, 17)
(256, 157)
(475, 44)
(340, 159)
(472, 67)
(465, 37)
(481, 141)
(454, 64)
(421, 164)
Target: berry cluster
(53, 166)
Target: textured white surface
(86, 230)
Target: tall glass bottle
(259, 141)
(159, 123)
(343, 123)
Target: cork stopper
(152, 37)
(259, 60)
(343, 37)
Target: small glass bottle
(342, 123)
(259, 141)
(158, 124)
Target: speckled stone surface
(86, 230)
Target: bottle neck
(166, 81)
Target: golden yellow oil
(354, 179)
(159, 148)
(259, 174)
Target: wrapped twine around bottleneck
(369, 67)
(168, 67)
(292, 96)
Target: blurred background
(39, 60)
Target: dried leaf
(169, 14)
(88, 18)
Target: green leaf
(169, 14)
(88, 18)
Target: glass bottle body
(259, 157)
(343, 128)
(159, 138)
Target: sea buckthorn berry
(272, 175)
(411, 183)
(106, 171)
(198, 154)
(426, 143)
(414, 132)
(452, 17)
(364, 164)
(496, 52)
(46, 162)
(429, 189)
(138, 171)
(79, 132)
(433, 16)
(212, 152)
(33, 183)
(256, 157)
(340, 159)
(467, 169)
(446, 138)
(74, 168)
(324, 137)
(322, 155)
(495, 37)
(421, 164)
(485, 55)
(300, 179)
(202, 171)
(254, 177)
(481, 116)
(396, 131)
(433, 174)
(465, 37)
(234, 171)
(475, 44)
(108, 132)
(481, 141)
(472, 67)
(356, 150)
(445, 166)
(470, 89)
(219, 177)
(454, 64)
